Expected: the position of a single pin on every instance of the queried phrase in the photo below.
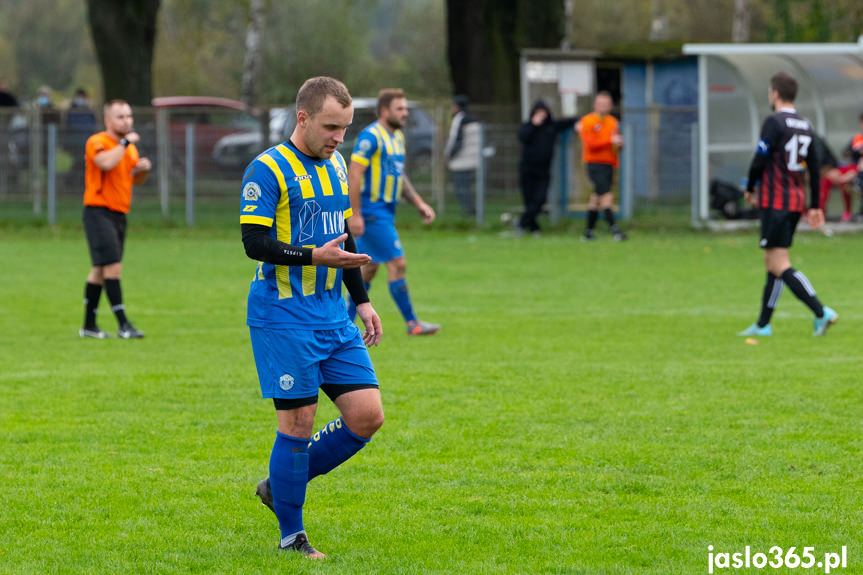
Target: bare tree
(742, 18)
(253, 51)
(124, 34)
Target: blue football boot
(755, 330)
(821, 324)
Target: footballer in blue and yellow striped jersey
(377, 181)
(304, 201)
(294, 211)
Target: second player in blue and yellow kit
(383, 154)
(377, 181)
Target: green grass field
(587, 409)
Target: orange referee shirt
(596, 135)
(110, 189)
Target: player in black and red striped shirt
(780, 164)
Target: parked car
(237, 150)
(214, 119)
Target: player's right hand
(332, 255)
(357, 225)
(133, 137)
(750, 199)
(815, 218)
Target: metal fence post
(438, 162)
(559, 208)
(5, 154)
(36, 160)
(627, 195)
(163, 157)
(480, 177)
(694, 176)
(190, 174)
(52, 174)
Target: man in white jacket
(462, 153)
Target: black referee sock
(772, 291)
(92, 293)
(609, 216)
(592, 216)
(800, 286)
(115, 296)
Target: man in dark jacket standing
(537, 136)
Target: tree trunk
(253, 52)
(484, 38)
(742, 18)
(124, 34)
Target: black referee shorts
(106, 233)
(601, 175)
(777, 228)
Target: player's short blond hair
(315, 90)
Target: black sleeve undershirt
(261, 247)
(756, 169)
(353, 278)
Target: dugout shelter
(732, 102)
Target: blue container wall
(634, 115)
(673, 101)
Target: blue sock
(289, 473)
(352, 309)
(332, 446)
(399, 291)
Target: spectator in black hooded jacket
(538, 136)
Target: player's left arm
(769, 136)
(410, 194)
(815, 214)
(353, 280)
(356, 173)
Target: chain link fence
(199, 155)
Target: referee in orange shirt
(601, 140)
(112, 168)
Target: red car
(214, 118)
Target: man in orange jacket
(601, 141)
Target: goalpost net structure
(732, 103)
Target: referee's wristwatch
(125, 142)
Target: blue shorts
(380, 240)
(293, 363)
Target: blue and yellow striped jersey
(305, 202)
(384, 155)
